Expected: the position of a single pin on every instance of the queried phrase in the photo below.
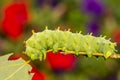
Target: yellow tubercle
(69, 29)
(91, 33)
(80, 32)
(58, 28)
(46, 28)
(104, 36)
(115, 43)
(33, 31)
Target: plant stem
(94, 54)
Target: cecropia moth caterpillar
(40, 43)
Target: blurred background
(101, 17)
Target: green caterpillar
(40, 43)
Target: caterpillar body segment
(40, 43)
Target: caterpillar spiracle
(40, 43)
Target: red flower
(14, 57)
(14, 20)
(59, 61)
(116, 36)
(37, 74)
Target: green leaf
(14, 69)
